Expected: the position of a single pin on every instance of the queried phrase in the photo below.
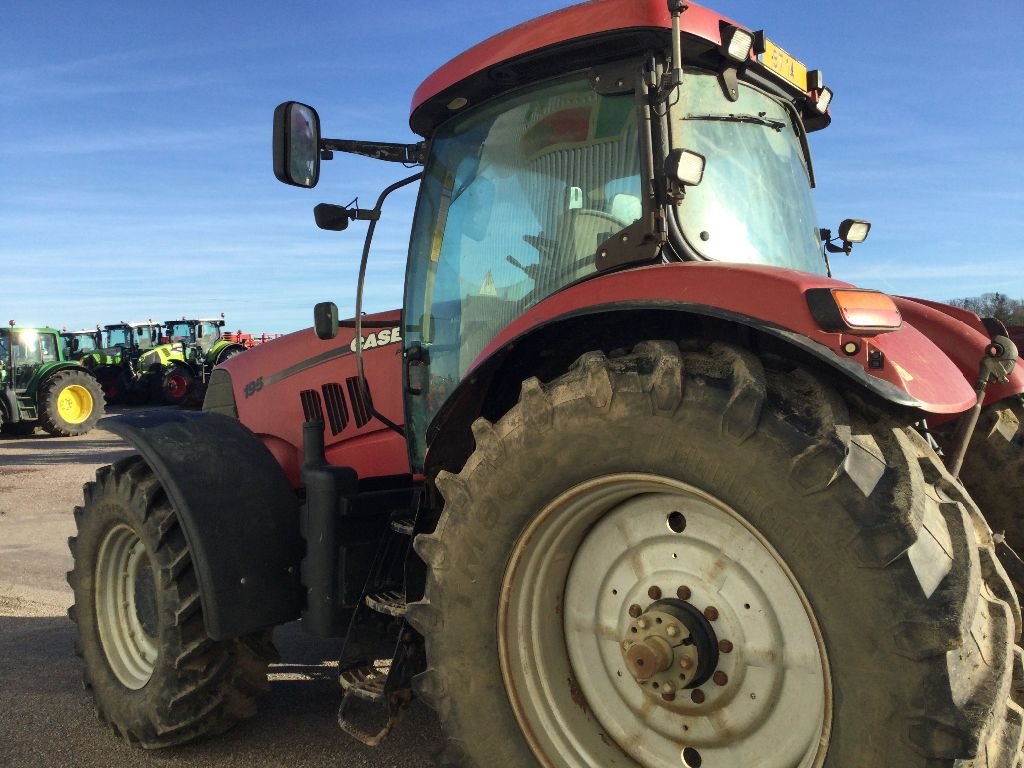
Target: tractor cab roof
(146, 324)
(581, 36)
(89, 331)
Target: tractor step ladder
(390, 602)
(364, 682)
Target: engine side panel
(280, 384)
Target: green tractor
(119, 365)
(81, 343)
(194, 347)
(40, 386)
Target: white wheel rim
(564, 616)
(123, 571)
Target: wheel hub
(670, 645)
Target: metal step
(364, 682)
(403, 525)
(390, 602)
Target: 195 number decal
(253, 387)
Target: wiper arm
(777, 125)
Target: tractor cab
(133, 337)
(81, 343)
(203, 333)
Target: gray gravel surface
(47, 719)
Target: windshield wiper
(760, 119)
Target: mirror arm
(409, 154)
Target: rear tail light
(851, 310)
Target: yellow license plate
(784, 65)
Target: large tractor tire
(993, 473)
(176, 383)
(70, 403)
(684, 558)
(156, 676)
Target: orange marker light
(853, 311)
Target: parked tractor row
(60, 381)
(629, 480)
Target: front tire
(176, 384)
(156, 676)
(841, 599)
(70, 403)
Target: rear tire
(156, 676)
(543, 548)
(70, 403)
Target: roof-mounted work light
(736, 43)
(824, 99)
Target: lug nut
(725, 646)
(667, 688)
(683, 593)
(642, 623)
(635, 610)
(671, 630)
(697, 696)
(720, 678)
(711, 613)
(685, 663)
(654, 593)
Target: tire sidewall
(121, 703)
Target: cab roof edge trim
(562, 26)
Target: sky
(135, 159)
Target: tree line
(997, 305)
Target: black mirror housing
(325, 320)
(297, 144)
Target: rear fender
(960, 335)
(239, 515)
(763, 308)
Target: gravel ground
(47, 719)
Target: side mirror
(325, 320)
(297, 144)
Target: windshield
(754, 203)
(117, 337)
(182, 331)
(515, 200)
(30, 350)
(81, 343)
(146, 335)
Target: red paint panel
(912, 361)
(572, 23)
(273, 374)
(961, 335)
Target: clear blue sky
(136, 182)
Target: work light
(736, 43)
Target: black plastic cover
(239, 514)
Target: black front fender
(239, 514)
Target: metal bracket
(614, 79)
(636, 243)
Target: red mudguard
(930, 363)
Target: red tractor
(629, 480)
